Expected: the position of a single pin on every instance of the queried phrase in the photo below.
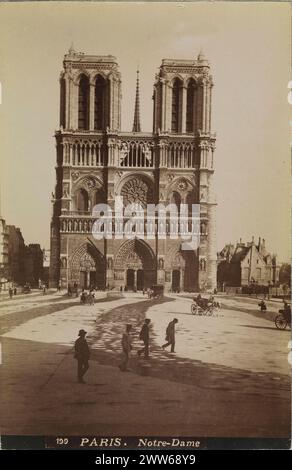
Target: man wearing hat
(170, 335)
(144, 336)
(82, 354)
(126, 347)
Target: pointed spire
(71, 49)
(201, 55)
(136, 124)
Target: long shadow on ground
(11, 320)
(106, 349)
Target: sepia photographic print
(145, 225)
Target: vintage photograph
(145, 271)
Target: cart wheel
(280, 322)
(194, 309)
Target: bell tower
(182, 102)
(90, 118)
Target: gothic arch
(175, 104)
(97, 74)
(83, 102)
(100, 91)
(175, 198)
(174, 259)
(141, 248)
(90, 185)
(193, 79)
(177, 77)
(82, 72)
(88, 182)
(87, 258)
(82, 200)
(190, 108)
(183, 186)
(63, 102)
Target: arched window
(99, 98)
(175, 105)
(99, 197)
(176, 199)
(62, 102)
(83, 103)
(190, 201)
(190, 107)
(82, 200)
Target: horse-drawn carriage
(202, 306)
(156, 291)
(284, 319)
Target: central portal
(136, 260)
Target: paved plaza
(229, 375)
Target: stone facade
(96, 162)
(246, 264)
(16, 255)
(4, 240)
(34, 259)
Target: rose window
(135, 191)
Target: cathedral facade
(96, 162)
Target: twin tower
(96, 162)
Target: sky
(248, 46)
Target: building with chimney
(96, 162)
(244, 264)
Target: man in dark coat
(82, 354)
(170, 335)
(127, 348)
(144, 336)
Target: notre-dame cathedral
(96, 162)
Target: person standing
(144, 336)
(82, 355)
(263, 306)
(170, 335)
(127, 348)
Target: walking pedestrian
(91, 297)
(83, 297)
(82, 355)
(170, 335)
(10, 292)
(69, 290)
(144, 336)
(263, 306)
(127, 347)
